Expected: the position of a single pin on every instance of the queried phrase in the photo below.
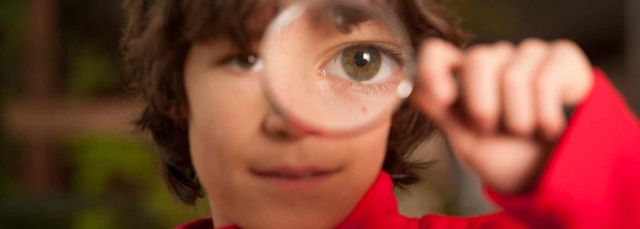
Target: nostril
(275, 126)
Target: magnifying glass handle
(568, 112)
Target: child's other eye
(363, 63)
(244, 62)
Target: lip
(295, 178)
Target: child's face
(257, 171)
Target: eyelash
(392, 51)
(231, 56)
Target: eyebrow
(246, 34)
(346, 18)
(342, 17)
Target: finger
(550, 117)
(479, 84)
(579, 79)
(436, 90)
(518, 95)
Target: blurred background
(69, 158)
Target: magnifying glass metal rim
(292, 13)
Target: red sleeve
(592, 179)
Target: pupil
(362, 62)
(361, 58)
(247, 61)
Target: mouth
(297, 178)
(294, 173)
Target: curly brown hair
(159, 35)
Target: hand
(504, 112)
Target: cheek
(368, 155)
(224, 115)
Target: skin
(510, 114)
(232, 130)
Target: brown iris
(361, 63)
(245, 61)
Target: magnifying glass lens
(336, 67)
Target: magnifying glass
(334, 68)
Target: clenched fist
(500, 106)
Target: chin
(294, 221)
(315, 213)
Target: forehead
(323, 13)
(212, 17)
(242, 21)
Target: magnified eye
(364, 64)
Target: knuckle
(427, 47)
(533, 47)
(533, 43)
(433, 44)
(480, 55)
(566, 46)
(504, 45)
(481, 114)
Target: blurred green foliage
(89, 47)
(89, 72)
(107, 181)
(111, 183)
(122, 180)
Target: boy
(195, 64)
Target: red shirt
(592, 180)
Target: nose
(276, 126)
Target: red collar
(377, 209)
